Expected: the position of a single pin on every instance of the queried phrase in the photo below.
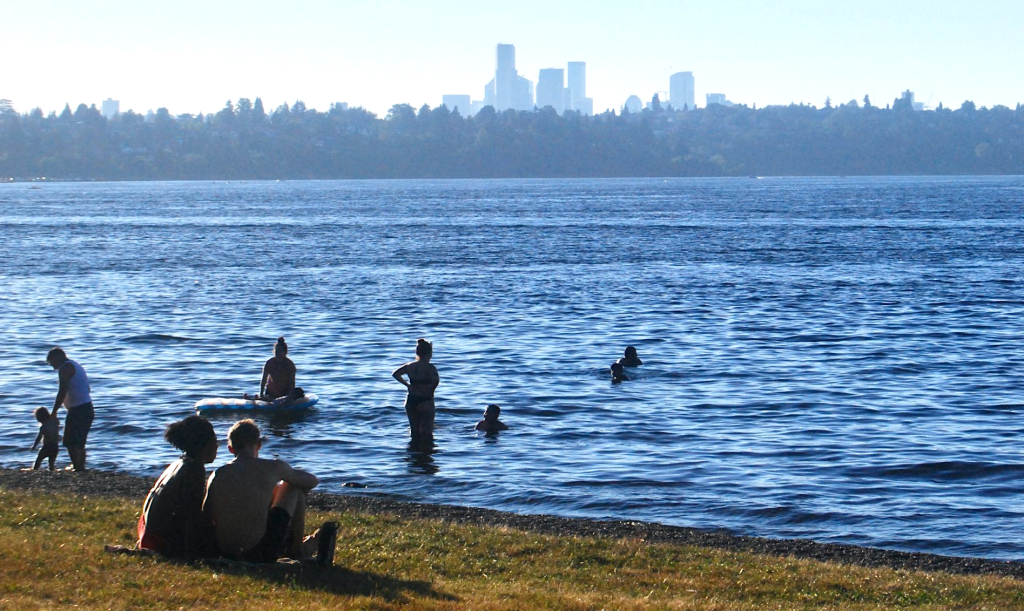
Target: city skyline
(192, 57)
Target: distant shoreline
(121, 485)
(42, 181)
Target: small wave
(155, 338)
(629, 483)
(818, 338)
(126, 429)
(945, 471)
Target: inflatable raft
(226, 404)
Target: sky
(192, 56)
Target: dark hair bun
(190, 435)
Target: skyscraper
(577, 83)
(505, 77)
(577, 89)
(680, 91)
(551, 89)
(110, 108)
(508, 89)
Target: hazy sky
(192, 56)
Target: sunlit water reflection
(837, 359)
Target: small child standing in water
(49, 433)
(490, 423)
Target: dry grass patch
(51, 556)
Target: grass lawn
(51, 556)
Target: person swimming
(423, 380)
(630, 359)
(490, 423)
(618, 373)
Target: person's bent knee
(289, 498)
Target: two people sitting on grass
(251, 509)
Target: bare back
(239, 496)
(279, 376)
(423, 378)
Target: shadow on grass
(334, 580)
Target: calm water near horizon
(825, 358)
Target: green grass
(51, 555)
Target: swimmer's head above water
(618, 373)
(630, 358)
(490, 423)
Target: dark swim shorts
(275, 539)
(77, 424)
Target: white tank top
(78, 388)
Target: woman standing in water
(423, 379)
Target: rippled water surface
(836, 359)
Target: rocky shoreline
(111, 484)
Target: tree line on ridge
(244, 141)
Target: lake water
(834, 359)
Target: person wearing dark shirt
(172, 517)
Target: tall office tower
(551, 89)
(680, 91)
(458, 102)
(505, 77)
(508, 90)
(110, 108)
(577, 83)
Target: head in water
(492, 413)
(280, 348)
(630, 352)
(424, 350)
(194, 436)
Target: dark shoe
(325, 545)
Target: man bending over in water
(258, 506)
